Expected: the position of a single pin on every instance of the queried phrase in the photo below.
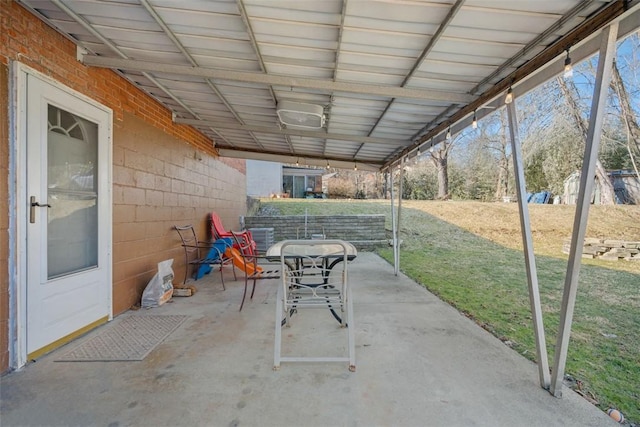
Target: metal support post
(393, 222)
(397, 254)
(598, 104)
(529, 257)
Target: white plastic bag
(160, 288)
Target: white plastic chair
(314, 275)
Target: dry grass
(550, 224)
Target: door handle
(32, 210)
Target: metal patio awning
(389, 75)
(379, 78)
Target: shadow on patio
(419, 363)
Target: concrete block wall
(158, 182)
(366, 232)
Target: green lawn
(487, 282)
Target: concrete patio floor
(419, 363)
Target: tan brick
(123, 213)
(154, 198)
(163, 183)
(128, 231)
(170, 199)
(123, 176)
(144, 179)
(133, 195)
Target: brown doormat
(131, 338)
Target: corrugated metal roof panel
(329, 54)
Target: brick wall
(364, 231)
(164, 174)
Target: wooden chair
(246, 258)
(202, 254)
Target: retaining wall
(366, 232)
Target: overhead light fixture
(355, 166)
(509, 98)
(297, 114)
(448, 135)
(297, 161)
(474, 123)
(568, 68)
(328, 164)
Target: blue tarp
(542, 197)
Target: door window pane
(72, 227)
(298, 187)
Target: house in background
(264, 179)
(301, 182)
(272, 179)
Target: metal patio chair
(246, 258)
(202, 255)
(314, 275)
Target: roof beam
(276, 80)
(292, 132)
(306, 159)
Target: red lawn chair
(217, 229)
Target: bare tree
(501, 147)
(628, 115)
(440, 157)
(569, 91)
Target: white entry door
(68, 222)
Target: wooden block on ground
(184, 291)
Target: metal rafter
(256, 49)
(114, 48)
(293, 132)
(279, 80)
(336, 64)
(167, 31)
(426, 51)
(321, 160)
(533, 44)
